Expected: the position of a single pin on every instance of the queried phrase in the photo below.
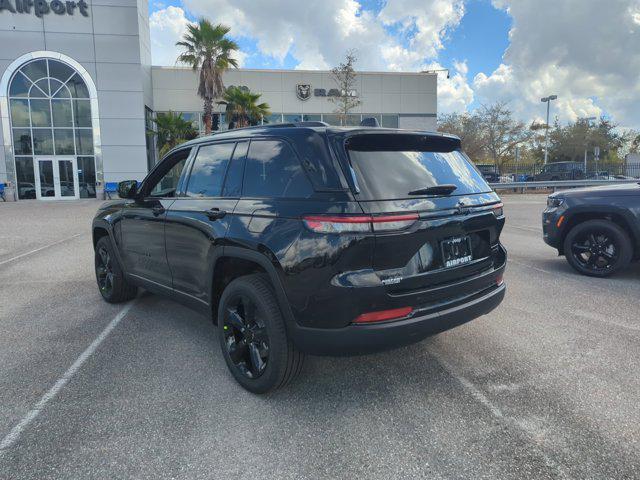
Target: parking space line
(40, 248)
(14, 434)
(510, 421)
(469, 386)
(516, 262)
(522, 227)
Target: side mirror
(128, 189)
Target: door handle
(215, 213)
(157, 210)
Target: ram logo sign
(303, 91)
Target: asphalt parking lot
(547, 386)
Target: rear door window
(273, 170)
(390, 168)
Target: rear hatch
(454, 217)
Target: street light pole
(547, 100)
(587, 120)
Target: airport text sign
(43, 7)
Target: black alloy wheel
(595, 250)
(104, 271)
(112, 283)
(598, 248)
(253, 336)
(246, 337)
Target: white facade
(106, 42)
(111, 46)
(409, 97)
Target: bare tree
(344, 76)
(468, 127)
(502, 133)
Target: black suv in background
(489, 172)
(597, 229)
(302, 238)
(561, 171)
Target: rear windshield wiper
(445, 189)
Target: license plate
(456, 251)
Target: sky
(515, 51)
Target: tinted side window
(233, 182)
(273, 170)
(166, 186)
(208, 170)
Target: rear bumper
(360, 339)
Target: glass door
(68, 178)
(56, 178)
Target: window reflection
(25, 177)
(61, 110)
(167, 185)
(20, 113)
(393, 174)
(63, 141)
(22, 141)
(87, 177)
(42, 141)
(67, 180)
(208, 170)
(272, 170)
(40, 113)
(84, 141)
(45, 169)
(56, 116)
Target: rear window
(391, 168)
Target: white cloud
(428, 20)
(454, 94)
(167, 26)
(318, 35)
(584, 51)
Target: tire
(249, 320)
(611, 244)
(118, 289)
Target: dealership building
(78, 93)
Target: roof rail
(310, 123)
(276, 125)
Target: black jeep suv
(597, 229)
(302, 238)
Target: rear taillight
(358, 223)
(383, 315)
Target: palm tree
(242, 107)
(208, 50)
(172, 130)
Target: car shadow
(329, 380)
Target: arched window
(51, 115)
